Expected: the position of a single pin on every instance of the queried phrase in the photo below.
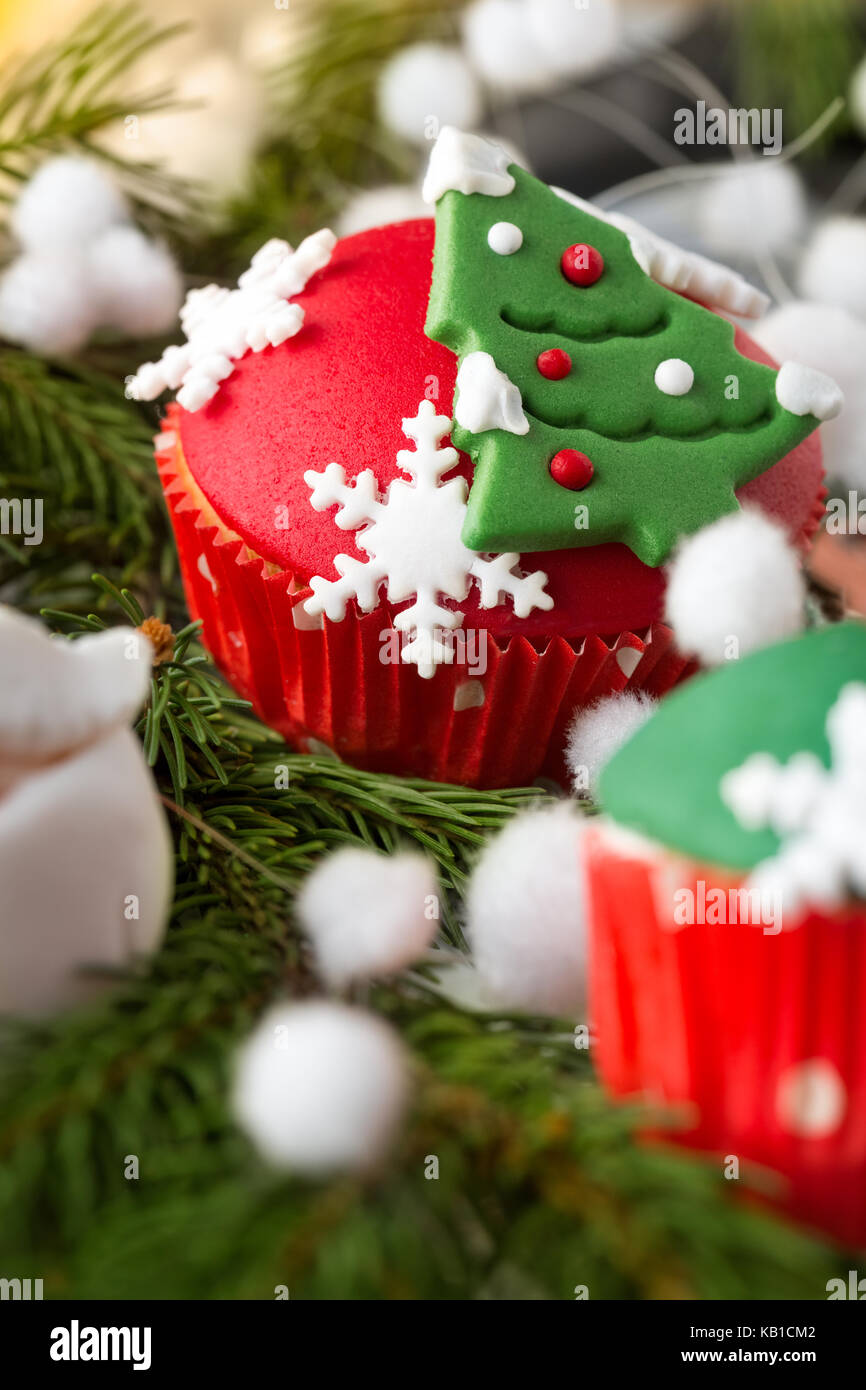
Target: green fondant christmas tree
(666, 782)
(636, 417)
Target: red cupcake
(727, 935)
(420, 608)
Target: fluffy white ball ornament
(574, 39)
(46, 303)
(426, 86)
(501, 48)
(136, 286)
(67, 202)
(600, 731)
(753, 207)
(368, 914)
(320, 1087)
(833, 267)
(525, 912)
(376, 207)
(85, 855)
(733, 587)
(832, 341)
(83, 265)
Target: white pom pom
(320, 1086)
(834, 342)
(833, 268)
(574, 39)
(600, 731)
(137, 287)
(376, 207)
(525, 916)
(733, 587)
(501, 48)
(46, 304)
(368, 914)
(757, 207)
(66, 203)
(426, 86)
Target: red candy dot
(582, 264)
(553, 364)
(572, 469)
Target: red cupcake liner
(323, 687)
(755, 1041)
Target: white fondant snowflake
(221, 325)
(412, 538)
(819, 813)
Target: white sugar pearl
(674, 377)
(504, 238)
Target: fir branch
(542, 1183)
(797, 55)
(66, 94)
(69, 437)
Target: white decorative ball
(425, 87)
(833, 267)
(752, 208)
(369, 914)
(67, 202)
(674, 377)
(525, 912)
(320, 1087)
(377, 207)
(46, 304)
(574, 39)
(504, 238)
(598, 732)
(502, 50)
(733, 587)
(831, 341)
(137, 287)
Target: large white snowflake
(221, 325)
(412, 538)
(819, 813)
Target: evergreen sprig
(69, 438)
(67, 94)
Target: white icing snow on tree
(221, 325)
(819, 813)
(412, 538)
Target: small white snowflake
(413, 539)
(819, 813)
(221, 325)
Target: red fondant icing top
(338, 392)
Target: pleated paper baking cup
(753, 1038)
(497, 717)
